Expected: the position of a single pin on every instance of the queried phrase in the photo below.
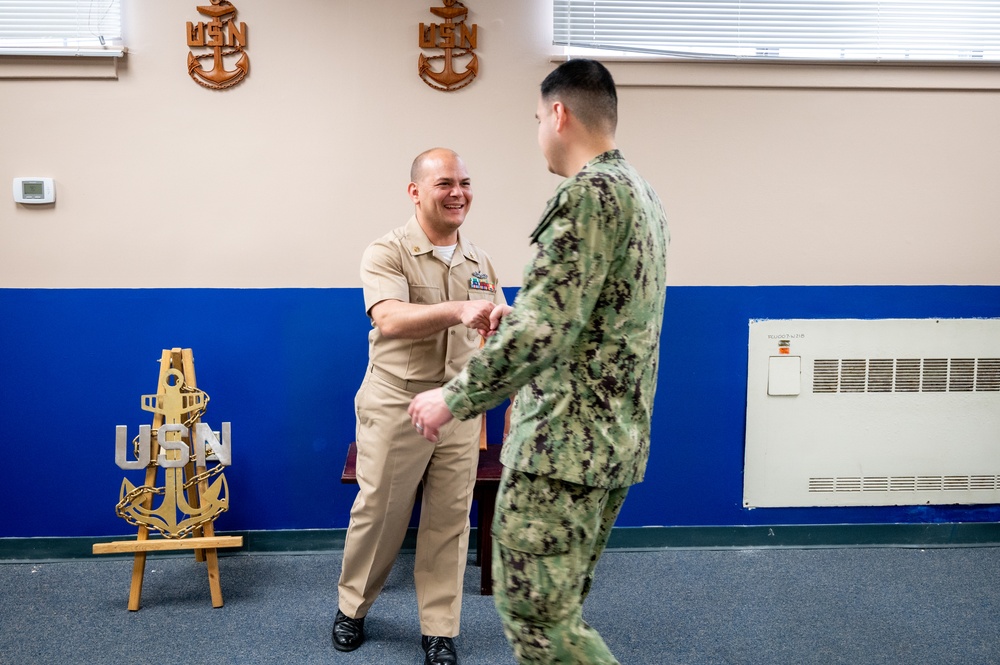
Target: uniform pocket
(540, 537)
(425, 295)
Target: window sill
(58, 67)
(634, 72)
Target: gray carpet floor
(854, 606)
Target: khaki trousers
(393, 460)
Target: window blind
(824, 30)
(61, 27)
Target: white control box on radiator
(881, 412)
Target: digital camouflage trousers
(547, 538)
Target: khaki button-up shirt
(402, 266)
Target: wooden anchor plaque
(191, 488)
(458, 40)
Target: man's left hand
(429, 413)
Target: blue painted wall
(282, 366)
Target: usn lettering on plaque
(226, 39)
(458, 65)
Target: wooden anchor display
(221, 31)
(457, 39)
(177, 407)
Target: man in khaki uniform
(429, 293)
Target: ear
(414, 193)
(561, 115)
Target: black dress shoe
(348, 633)
(439, 650)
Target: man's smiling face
(443, 195)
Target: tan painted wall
(282, 180)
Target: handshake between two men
(428, 410)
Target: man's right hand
(476, 314)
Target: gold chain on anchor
(145, 489)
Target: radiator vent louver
(905, 484)
(906, 375)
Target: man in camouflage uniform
(581, 348)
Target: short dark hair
(587, 89)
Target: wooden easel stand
(205, 542)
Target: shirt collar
(417, 242)
(609, 156)
(559, 199)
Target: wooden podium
(176, 396)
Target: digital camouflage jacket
(581, 346)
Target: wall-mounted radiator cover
(873, 413)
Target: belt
(409, 386)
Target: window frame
(818, 31)
(646, 69)
(61, 28)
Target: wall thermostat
(34, 190)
